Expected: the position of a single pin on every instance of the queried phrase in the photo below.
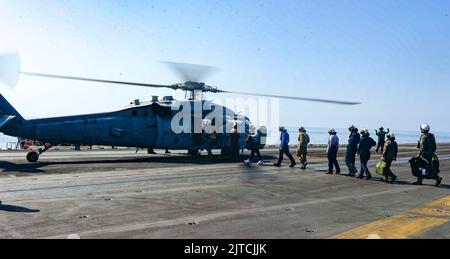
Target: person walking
(302, 149)
(332, 150)
(365, 145)
(389, 156)
(427, 151)
(254, 144)
(352, 149)
(284, 148)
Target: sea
(318, 136)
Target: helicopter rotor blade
(190, 72)
(182, 87)
(97, 80)
(9, 68)
(297, 98)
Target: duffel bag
(381, 168)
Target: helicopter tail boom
(6, 109)
(7, 113)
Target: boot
(293, 165)
(304, 166)
(277, 165)
(393, 179)
(369, 176)
(418, 182)
(438, 181)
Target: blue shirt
(284, 139)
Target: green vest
(303, 139)
(427, 145)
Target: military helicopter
(141, 124)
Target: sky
(393, 56)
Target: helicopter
(140, 124)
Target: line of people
(359, 145)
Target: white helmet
(391, 135)
(263, 129)
(425, 127)
(332, 131)
(365, 132)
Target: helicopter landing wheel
(33, 157)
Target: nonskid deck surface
(120, 194)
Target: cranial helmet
(282, 128)
(332, 131)
(302, 129)
(391, 135)
(425, 128)
(263, 129)
(365, 132)
(351, 127)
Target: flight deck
(121, 194)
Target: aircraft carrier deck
(120, 194)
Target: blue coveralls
(284, 148)
(352, 149)
(364, 148)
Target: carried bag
(435, 164)
(249, 143)
(381, 168)
(421, 168)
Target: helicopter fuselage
(139, 125)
